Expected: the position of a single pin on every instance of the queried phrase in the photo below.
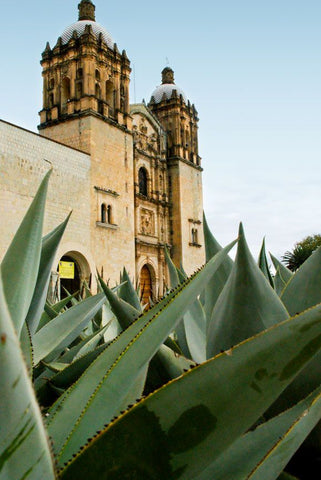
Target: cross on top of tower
(86, 10)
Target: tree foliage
(301, 251)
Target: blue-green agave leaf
(262, 453)
(195, 331)
(126, 314)
(285, 273)
(279, 282)
(179, 430)
(50, 244)
(304, 289)
(264, 266)
(246, 306)
(109, 384)
(20, 264)
(128, 293)
(216, 285)
(24, 447)
(62, 330)
(271, 466)
(173, 275)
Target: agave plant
(91, 365)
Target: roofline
(43, 137)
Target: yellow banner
(67, 269)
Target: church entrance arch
(146, 284)
(74, 271)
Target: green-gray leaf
(24, 448)
(21, 262)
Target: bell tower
(84, 74)
(180, 121)
(86, 106)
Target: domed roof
(80, 26)
(167, 88)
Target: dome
(167, 88)
(80, 29)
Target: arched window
(109, 214)
(142, 181)
(79, 73)
(97, 91)
(97, 74)
(51, 83)
(65, 93)
(103, 213)
(194, 236)
(146, 286)
(110, 94)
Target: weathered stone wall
(25, 157)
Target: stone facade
(130, 174)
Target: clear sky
(253, 71)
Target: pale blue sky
(253, 70)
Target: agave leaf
(64, 379)
(24, 448)
(128, 293)
(270, 467)
(262, 453)
(195, 331)
(26, 347)
(21, 262)
(279, 282)
(216, 285)
(264, 266)
(50, 311)
(183, 427)
(246, 306)
(180, 334)
(50, 244)
(62, 330)
(165, 366)
(92, 343)
(111, 380)
(285, 273)
(55, 367)
(173, 275)
(304, 289)
(59, 306)
(126, 314)
(175, 279)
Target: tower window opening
(51, 84)
(109, 87)
(103, 213)
(109, 214)
(79, 89)
(97, 91)
(51, 100)
(80, 73)
(97, 75)
(142, 181)
(65, 93)
(194, 236)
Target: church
(130, 173)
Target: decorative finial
(168, 75)
(86, 10)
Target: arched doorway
(73, 270)
(146, 285)
(69, 276)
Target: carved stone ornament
(146, 222)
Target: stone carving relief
(146, 222)
(142, 140)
